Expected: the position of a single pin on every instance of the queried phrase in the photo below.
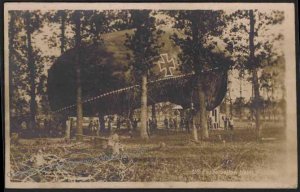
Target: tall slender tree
(196, 44)
(17, 69)
(76, 18)
(31, 66)
(99, 24)
(33, 22)
(61, 17)
(254, 53)
(25, 79)
(95, 24)
(144, 46)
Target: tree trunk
(154, 120)
(202, 111)
(32, 74)
(256, 104)
(227, 108)
(153, 110)
(144, 110)
(12, 36)
(79, 102)
(230, 106)
(78, 76)
(63, 28)
(254, 74)
(194, 129)
(68, 129)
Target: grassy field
(166, 156)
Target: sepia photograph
(150, 95)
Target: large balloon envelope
(107, 78)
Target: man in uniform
(166, 123)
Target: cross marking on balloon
(166, 64)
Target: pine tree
(144, 45)
(253, 53)
(33, 21)
(17, 69)
(62, 18)
(25, 79)
(76, 18)
(196, 45)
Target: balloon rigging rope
(132, 87)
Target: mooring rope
(132, 87)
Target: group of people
(182, 124)
(172, 123)
(227, 123)
(94, 127)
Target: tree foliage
(27, 63)
(265, 41)
(144, 42)
(199, 49)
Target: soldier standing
(149, 125)
(231, 125)
(97, 126)
(227, 123)
(182, 123)
(109, 125)
(175, 124)
(118, 123)
(170, 123)
(210, 123)
(91, 127)
(166, 122)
